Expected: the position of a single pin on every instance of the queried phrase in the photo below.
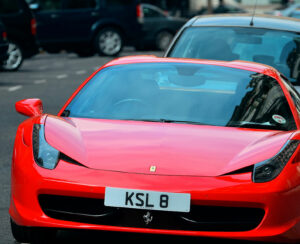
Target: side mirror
(30, 107)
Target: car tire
(15, 57)
(108, 42)
(20, 233)
(163, 40)
(42, 236)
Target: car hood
(174, 149)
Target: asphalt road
(53, 78)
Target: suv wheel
(163, 39)
(15, 57)
(20, 233)
(109, 42)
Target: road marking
(14, 88)
(62, 76)
(39, 82)
(80, 72)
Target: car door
(49, 21)
(79, 16)
(154, 20)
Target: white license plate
(149, 200)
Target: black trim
(244, 170)
(67, 159)
(200, 218)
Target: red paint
(176, 149)
(189, 158)
(30, 107)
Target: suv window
(151, 13)
(50, 4)
(79, 4)
(9, 6)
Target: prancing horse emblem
(148, 218)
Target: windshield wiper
(247, 124)
(169, 121)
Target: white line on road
(63, 76)
(39, 82)
(80, 72)
(14, 88)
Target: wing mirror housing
(30, 107)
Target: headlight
(269, 169)
(44, 155)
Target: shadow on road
(93, 237)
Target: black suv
(20, 26)
(86, 26)
(3, 43)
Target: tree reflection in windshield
(264, 100)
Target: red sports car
(163, 146)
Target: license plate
(149, 200)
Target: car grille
(200, 218)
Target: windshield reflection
(184, 93)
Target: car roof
(244, 20)
(238, 64)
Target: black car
(274, 41)
(158, 28)
(3, 43)
(20, 26)
(86, 26)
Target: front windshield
(184, 93)
(279, 49)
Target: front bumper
(280, 221)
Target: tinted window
(150, 13)
(9, 6)
(275, 48)
(50, 4)
(79, 4)
(185, 93)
